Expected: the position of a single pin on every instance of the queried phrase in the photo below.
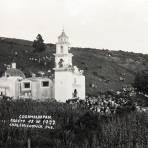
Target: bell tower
(63, 59)
(69, 81)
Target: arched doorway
(75, 93)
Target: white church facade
(68, 82)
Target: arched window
(61, 63)
(62, 49)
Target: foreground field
(76, 126)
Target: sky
(102, 24)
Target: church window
(61, 63)
(75, 80)
(27, 85)
(61, 49)
(45, 83)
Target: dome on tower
(63, 38)
(63, 35)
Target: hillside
(104, 69)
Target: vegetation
(76, 127)
(38, 44)
(106, 71)
(141, 87)
(141, 82)
(116, 124)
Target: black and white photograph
(73, 73)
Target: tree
(141, 82)
(38, 44)
(2, 69)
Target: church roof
(15, 72)
(63, 35)
(38, 79)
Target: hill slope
(104, 69)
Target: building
(10, 82)
(14, 84)
(37, 88)
(10, 87)
(68, 82)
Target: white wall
(79, 85)
(63, 85)
(37, 90)
(65, 48)
(10, 86)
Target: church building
(68, 82)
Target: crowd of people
(110, 102)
